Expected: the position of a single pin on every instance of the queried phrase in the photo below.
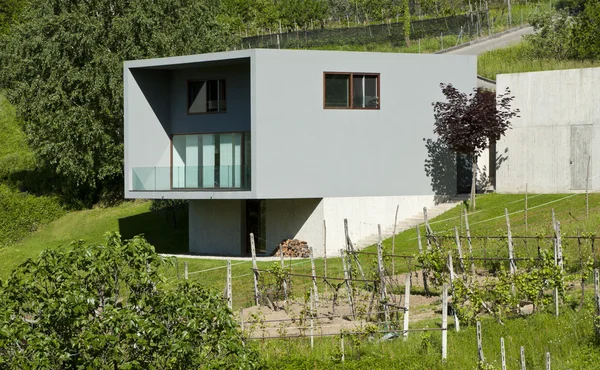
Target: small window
(351, 90)
(206, 96)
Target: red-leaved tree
(468, 123)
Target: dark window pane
(213, 96)
(357, 91)
(371, 98)
(197, 97)
(336, 90)
(222, 100)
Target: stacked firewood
(293, 248)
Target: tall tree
(62, 66)
(586, 33)
(468, 123)
(9, 13)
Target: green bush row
(22, 213)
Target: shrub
(22, 213)
(102, 306)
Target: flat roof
(237, 56)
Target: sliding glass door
(211, 161)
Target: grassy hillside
(521, 58)
(14, 154)
(20, 213)
(134, 218)
(130, 219)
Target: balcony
(191, 178)
(215, 161)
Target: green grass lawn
(14, 153)
(134, 218)
(569, 339)
(521, 58)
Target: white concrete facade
(217, 227)
(304, 162)
(549, 146)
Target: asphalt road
(492, 44)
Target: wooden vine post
(349, 245)
(254, 268)
(597, 300)
(427, 228)
(523, 366)
(511, 256)
(451, 269)
(284, 283)
(469, 241)
(228, 292)
(526, 193)
(325, 250)
(406, 305)
(394, 242)
(419, 240)
(314, 276)
(382, 287)
(185, 270)
(480, 344)
(444, 322)
(348, 283)
(459, 248)
(502, 354)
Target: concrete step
(411, 222)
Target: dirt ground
(292, 318)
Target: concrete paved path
(487, 44)
(492, 43)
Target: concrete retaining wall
(548, 148)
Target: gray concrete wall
(548, 147)
(146, 134)
(299, 149)
(302, 150)
(364, 214)
(237, 87)
(215, 227)
(300, 219)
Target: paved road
(492, 44)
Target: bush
(108, 307)
(22, 213)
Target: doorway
(255, 219)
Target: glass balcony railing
(191, 177)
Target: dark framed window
(344, 90)
(206, 96)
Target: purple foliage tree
(468, 123)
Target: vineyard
(456, 281)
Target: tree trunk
(473, 183)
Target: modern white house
(280, 142)
(550, 148)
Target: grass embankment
(134, 218)
(522, 58)
(568, 338)
(20, 213)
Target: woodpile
(293, 248)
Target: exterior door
(256, 224)
(581, 150)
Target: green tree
(9, 13)
(553, 35)
(106, 306)
(586, 33)
(468, 123)
(63, 65)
